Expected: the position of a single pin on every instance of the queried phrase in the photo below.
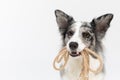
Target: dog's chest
(74, 67)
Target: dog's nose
(73, 45)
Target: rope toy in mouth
(64, 55)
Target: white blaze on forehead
(76, 37)
(76, 26)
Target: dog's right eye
(70, 33)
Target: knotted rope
(64, 55)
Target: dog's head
(78, 35)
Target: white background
(29, 37)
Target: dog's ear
(101, 25)
(63, 20)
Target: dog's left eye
(86, 35)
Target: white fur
(76, 37)
(74, 66)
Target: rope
(63, 54)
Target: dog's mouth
(75, 54)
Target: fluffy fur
(78, 35)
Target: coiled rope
(64, 55)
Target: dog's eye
(70, 33)
(86, 35)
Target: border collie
(78, 35)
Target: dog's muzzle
(73, 46)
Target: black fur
(64, 21)
(101, 24)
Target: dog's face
(78, 35)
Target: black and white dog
(78, 35)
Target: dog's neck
(74, 67)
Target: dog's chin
(75, 54)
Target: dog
(78, 35)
